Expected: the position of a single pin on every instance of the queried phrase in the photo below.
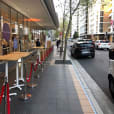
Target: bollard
(32, 84)
(5, 94)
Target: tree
(60, 29)
(73, 6)
(56, 34)
(75, 35)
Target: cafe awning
(41, 10)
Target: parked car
(83, 49)
(89, 40)
(111, 70)
(102, 44)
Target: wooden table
(41, 47)
(14, 56)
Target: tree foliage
(75, 35)
(65, 25)
(57, 33)
(86, 2)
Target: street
(97, 68)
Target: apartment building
(111, 17)
(95, 21)
(82, 21)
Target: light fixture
(32, 19)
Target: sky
(59, 7)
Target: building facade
(95, 20)
(25, 25)
(82, 21)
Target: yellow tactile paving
(85, 105)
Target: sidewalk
(58, 92)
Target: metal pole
(5, 96)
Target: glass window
(5, 12)
(14, 23)
(85, 45)
(20, 19)
(101, 19)
(101, 27)
(13, 16)
(25, 22)
(106, 41)
(102, 13)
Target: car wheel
(71, 53)
(76, 56)
(97, 47)
(111, 87)
(93, 55)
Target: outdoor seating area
(36, 77)
(36, 62)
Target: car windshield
(104, 41)
(90, 41)
(85, 45)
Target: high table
(14, 56)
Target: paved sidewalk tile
(86, 107)
(58, 92)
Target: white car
(102, 44)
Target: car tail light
(99, 44)
(92, 46)
(109, 44)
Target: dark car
(89, 41)
(83, 49)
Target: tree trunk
(67, 32)
(86, 18)
(63, 24)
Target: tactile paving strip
(85, 105)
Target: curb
(79, 72)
